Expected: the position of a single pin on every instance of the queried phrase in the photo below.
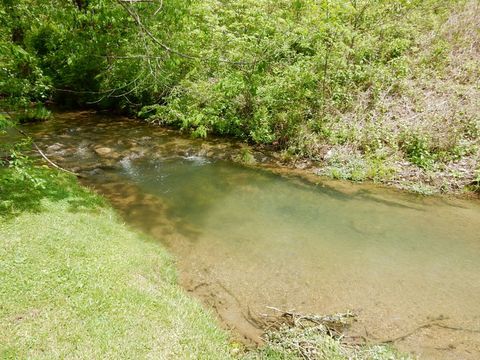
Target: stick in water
(45, 156)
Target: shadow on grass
(18, 193)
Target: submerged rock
(96, 171)
(102, 151)
(54, 147)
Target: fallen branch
(45, 156)
(337, 323)
(300, 334)
(334, 324)
(431, 324)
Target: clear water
(245, 238)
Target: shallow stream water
(246, 238)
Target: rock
(54, 147)
(95, 171)
(330, 153)
(302, 165)
(137, 149)
(102, 151)
(115, 155)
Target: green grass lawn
(77, 283)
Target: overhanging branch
(144, 28)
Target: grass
(32, 114)
(77, 283)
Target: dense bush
(254, 69)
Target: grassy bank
(77, 283)
(421, 131)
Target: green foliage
(30, 114)
(5, 147)
(23, 170)
(246, 157)
(12, 155)
(417, 149)
(24, 187)
(282, 73)
(475, 185)
(5, 123)
(257, 70)
(21, 78)
(298, 63)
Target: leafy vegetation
(377, 90)
(372, 78)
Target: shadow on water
(360, 194)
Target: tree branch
(142, 26)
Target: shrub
(417, 149)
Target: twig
(294, 331)
(160, 8)
(425, 326)
(334, 324)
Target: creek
(246, 237)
